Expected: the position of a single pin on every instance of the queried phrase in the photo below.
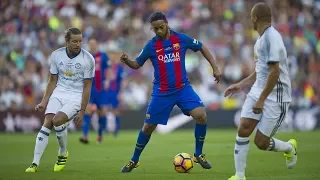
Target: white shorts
(274, 113)
(67, 106)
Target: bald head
(262, 12)
(260, 15)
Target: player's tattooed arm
(274, 73)
(132, 64)
(206, 54)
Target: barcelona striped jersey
(101, 65)
(168, 59)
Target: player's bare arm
(206, 54)
(245, 83)
(132, 64)
(274, 73)
(51, 85)
(87, 83)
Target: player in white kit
(66, 96)
(268, 101)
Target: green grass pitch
(104, 161)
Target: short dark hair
(93, 38)
(263, 12)
(158, 16)
(74, 31)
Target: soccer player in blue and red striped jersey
(98, 99)
(171, 86)
(114, 78)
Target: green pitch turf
(104, 161)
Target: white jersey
(270, 48)
(71, 72)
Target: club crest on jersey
(176, 46)
(78, 65)
(68, 73)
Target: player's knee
(202, 119)
(246, 127)
(102, 112)
(58, 122)
(244, 131)
(148, 128)
(48, 121)
(59, 119)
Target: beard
(74, 50)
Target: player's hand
(78, 119)
(41, 107)
(234, 88)
(258, 107)
(217, 74)
(124, 58)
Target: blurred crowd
(31, 29)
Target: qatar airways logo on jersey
(171, 57)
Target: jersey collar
(71, 57)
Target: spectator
(31, 29)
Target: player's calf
(262, 141)
(142, 141)
(102, 122)
(85, 129)
(59, 122)
(148, 128)
(86, 124)
(272, 144)
(200, 116)
(41, 142)
(241, 147)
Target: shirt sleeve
(90, 69)
(53, 65)
(144, 55)
(274, 48)
(192, 43)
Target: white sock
(62, 132)
(241, 150)
(279, 146)
(41, 144)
